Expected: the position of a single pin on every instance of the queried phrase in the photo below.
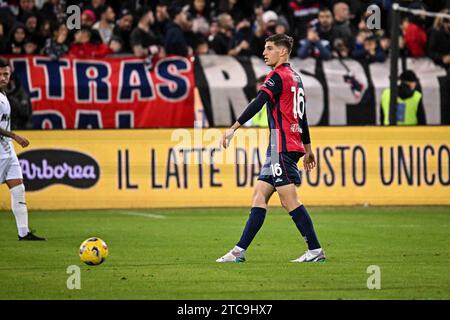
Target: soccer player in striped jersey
(284, 95)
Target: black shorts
(281, 169)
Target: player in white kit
(10, 171)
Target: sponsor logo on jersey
(42, 168)
(295, 127)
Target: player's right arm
(253, 108)
(19, 139)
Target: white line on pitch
(141, 214)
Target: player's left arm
(19, 139)
(309, 160)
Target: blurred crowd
(149, 28)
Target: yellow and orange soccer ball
(93, 251)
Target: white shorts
(10, 169)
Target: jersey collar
(286, 64)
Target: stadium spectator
(26, 7)
(96, 7)
(54, 10)
(240, 41)
(364, 32)
(368, 49)
(313, 46)
(229, 42)
(385, 44)
(189, 35)
(213, 29)
(31, 45)
(403, 50)
(342, 27)
(409, 107)
(439, 41)
(7, 19)
(270, 18)
(30, 20)
(82, 47)
(105, 25)
(45, 31)
(268, 22)
(340, 49)
(325, 25)
(282, 26)
(301, 13)
(143, 40)
(16, 40)
(319, 39)
(261, 29)
(57, 46)
(174, 38)
(21, 111)
(162, 18)
(116, 46)
(123, 29)
(200, 12)
(220, 43)
(88, 19)
(202, 46)
(414, 32)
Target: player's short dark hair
(283, 40)
(4, 63)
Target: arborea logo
(44, 167)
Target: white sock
(19, 209)
(236, 248)
(315, 251)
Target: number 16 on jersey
(299, 102)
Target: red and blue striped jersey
(286, 109)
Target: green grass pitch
(171, 253)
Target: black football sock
(254, 223)
(305, 226)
